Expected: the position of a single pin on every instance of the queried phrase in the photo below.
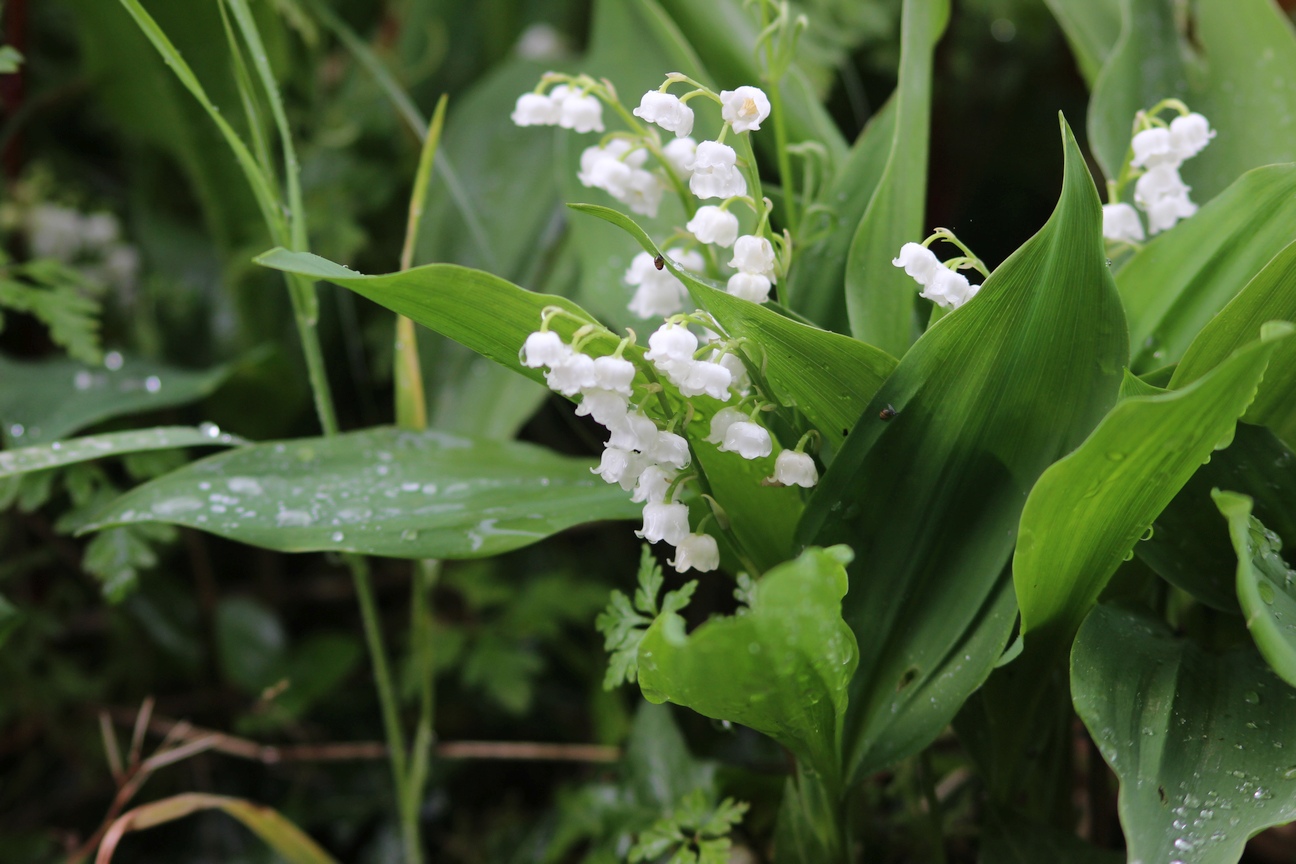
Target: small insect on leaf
(659, 262)
(887, 413)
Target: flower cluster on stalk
(940, 280)
(1157, 151)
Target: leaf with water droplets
(49, 399)
(1266, 586)
(1202, 743)
(380, 492)
(59, 453)
(781, 668)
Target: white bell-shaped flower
(642, 193)
(948, 288)
(1162, 194)
(607, 407)
(664, 521)
(660, 293)
(749, 440)
(793, 468)
(543, 349)
(1153, 147)
(697, 552)
(1121, 224)
(572, 374)
(739, 379)
(745, 108)
(652, 485)
(712, 225)
(1164, 212)
(536, 109)
(610, 167)
(710, 379)
(614, 373)
(681, 154)
(720, 423)
(715, 172)
(666, 111)
(754, 255)
(749, 286)
(1190, 134)
(670, 450)
(671, 344)
(918, 261)
(620, 466)
(633, 432)
(581, 113)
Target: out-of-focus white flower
(720, 423)
(710, 379)
(754, 255)
(918, 261)
(749, 286)
(793, 468)
(100, 230)
(749, 440)
(1164, 213)
(698, 552)
(540, 41)
(653, 484)
(54, 232)
(581, 113)
(608, 408)
(949, 288)
(681, 154)
(643, 193)
(121, 265)
(1162, 194)
(670, 450)
(571, 374)
(543, 349)
(712, 225)
(1121, 223)
(1189, 134)
(664, 521)
(536, 109)
(1152, 147)
(744, 108)
(737, 371)
(659, 292)
(666, 111)
(715, 172)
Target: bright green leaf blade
(50, 399)
(1227, 71)
(1087, 511)
(829, 377)
(24, 459)
(987, 399)
(1201, 742)
(1265, 584)
(782, 668)
(880, 297)
(1180, 280)
(379, 492)
(1270, 296)
(1092, 28)
(1190, 545)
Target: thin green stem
(784, 160)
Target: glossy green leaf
(50, 399)
(1201, 742)
(781, 668)
(1190, 545)
(1092, 28)
(379, 492)
(1270, 296)
(1087, 511)
(987, 399)
(880, 297)
(1184, 277)
(1225, 68)
(829, 377)
(59, 453)
(1266, 586)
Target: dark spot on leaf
(1161, 792)
(659, 262)
(907, 678)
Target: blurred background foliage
(101, 143)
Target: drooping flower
(949, 288)
(1152, 147)
(643, 193)
(1163, 195)
(581, 113)
(664, 521)
(1121, 223)
(536, 109)
(737, 371)
(713, 225)
(707, 378)
(749, 440)
(614, 373)
(918, 261)
(715, 172)
(749, 286)
(681, 153)
(670, 450)
(652, 486)
(671, 346)
(620, 466)
(607, 407)
(754, 255)
(659, 292)
(572, 374)
(793, 468)
(1189, 134)
(745, 108)
(720, 423)
(666, 111)
(698, 552)
(633, 432)
(543, 349)
(608, 167)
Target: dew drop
(409, 534)
(152, 383)
(113, 361)
(1290, 773)
(83, 380)
(337, 537)
(209, 430)
(1116, 456)
(16, 430)
(1251, 697)
(1266, 592)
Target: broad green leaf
(1265, 586)
(1201, 742)
(1270, 295)
(815, 287)
(1183, 278)
(781, 668)
(285, 838)
(379, 492)
(1088, 510)
(1092, 28)
(1225, 68)
(49, 399)
(59, 453)
(988, 398)
(880, 297)
(1190, 545)
(829, 377)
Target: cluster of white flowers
(617, 168)
(565, 106)
(941, 285)
(89, 241)
(754, 259)
(1159, 191)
